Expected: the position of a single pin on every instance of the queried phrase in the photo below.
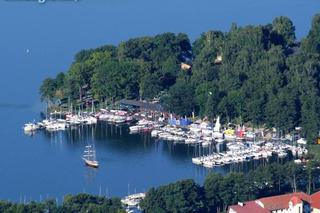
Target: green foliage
(116, 80)
(88, 203)
(212, 188)
(181, 197)
(259, 79)
(314, 151)
(179, 99)
(80, 203)
(150, 86)
(47, 89)
(311, 44)
(85, 55)
(222, 191)
(283, 31)
(219, 192)
(256, 74)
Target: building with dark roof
(141, 105)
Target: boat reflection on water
(90, 174)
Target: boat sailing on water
(89, 156)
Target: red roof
(295, 200)
(248, 207)
(315, 200)
(282, 201)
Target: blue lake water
(50, 165)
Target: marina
(239, 152)
(232, 144)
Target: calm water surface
(49, 164)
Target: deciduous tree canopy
(256, 74)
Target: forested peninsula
(261, 75)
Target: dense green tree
(283, 31)
(212, 188)
(309, 115)
(85, 55)
(278, 178)
(313, 172)
(183, 196)
(79, 203)
(180, 99)
(47, 89)
(140, 48)
(207, 98)
(282, 111)
(311, 44)
(150, 86)
(116, 80)
(88, 203)
(235, 188)
(168, 72)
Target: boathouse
(143, 105)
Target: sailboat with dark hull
(89, 156)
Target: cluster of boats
(48, 124)
(114, 116)
(144, 125)
(53, 124)
(196, 133)
(84, 118)
(241, 145)
(183, 135)
(131, 202)
(188, 134)
(239, 142)
(239, 152)
(73, 120)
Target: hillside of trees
(260, 75)
(218, 192)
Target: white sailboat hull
(91, 163)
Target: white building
(288, 203)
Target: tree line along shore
(260, 75)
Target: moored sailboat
(89, 156)
(30, 127)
